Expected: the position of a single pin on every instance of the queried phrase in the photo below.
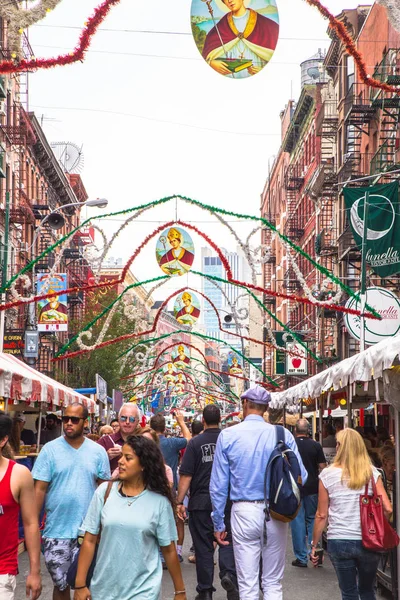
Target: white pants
(248, 544)
(7, 587)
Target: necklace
(131, 499)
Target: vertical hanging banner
(52, 311)
(383, 224)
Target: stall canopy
(22, 383)
(363, 367)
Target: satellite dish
(314, 72)
(69, 155)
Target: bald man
(128, 419)
(314, 461)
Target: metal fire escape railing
(388, 71)
(294, 181)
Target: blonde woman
(340, 488)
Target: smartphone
(319, 553)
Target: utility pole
(363, 295)
(4, 276)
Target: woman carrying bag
(341, 488)
(137, 519)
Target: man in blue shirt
(240, 462)
(170, 448)
(66, 474)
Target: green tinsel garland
(211, 209)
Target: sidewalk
(301, 584)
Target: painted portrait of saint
(181, 356)
(170, 372)
(234, 366)
(187, 308)
(175, 251)
(237, 38)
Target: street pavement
(298, 584)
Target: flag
(383, 225)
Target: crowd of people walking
(115, 509)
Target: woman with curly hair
(136, 519)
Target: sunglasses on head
(74, 420)
(130, 419)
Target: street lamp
(55, 221)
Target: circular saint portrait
(169, 372)
(175, 251)
(181, 356)
(237, 38)
(187, 308)
(235, 368)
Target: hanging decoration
(236, 40)
(214, 211)
(18, 19)
(175, 251)
(393, 11)
(22, 19)
(187, 308)
(181, 356)
(340, 29)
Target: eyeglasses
(130, 419)
(74, 420)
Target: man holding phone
(128, 419)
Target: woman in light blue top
(136, 520)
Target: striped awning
(21, 383)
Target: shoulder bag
(377, 533)
(73, 569)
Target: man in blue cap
(240, 462)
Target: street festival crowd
(115, 506)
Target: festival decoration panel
(237, 39)
(187, 308)
(175, 251)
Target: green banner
(383, 223)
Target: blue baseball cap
(257, 394)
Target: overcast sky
(155, 120)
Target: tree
(82, 369)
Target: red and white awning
(22, 383)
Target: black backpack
(283, 481)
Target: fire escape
(358, 114)
(388, 71)
(294, 180)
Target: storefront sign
(14, 343)
(296, 365)
(387, 304)
(383, 242)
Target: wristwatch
(179, 503)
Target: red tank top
(9, 510)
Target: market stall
(372, 375)
(24, 388)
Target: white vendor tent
(373, 373)
(367, 366)
(22, 383)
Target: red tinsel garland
(350, 46)
(101, 12)
(224, 261)
(85, 38)
(128, 336)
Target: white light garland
(393, 11)
(19, 19)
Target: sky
(154, 120)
